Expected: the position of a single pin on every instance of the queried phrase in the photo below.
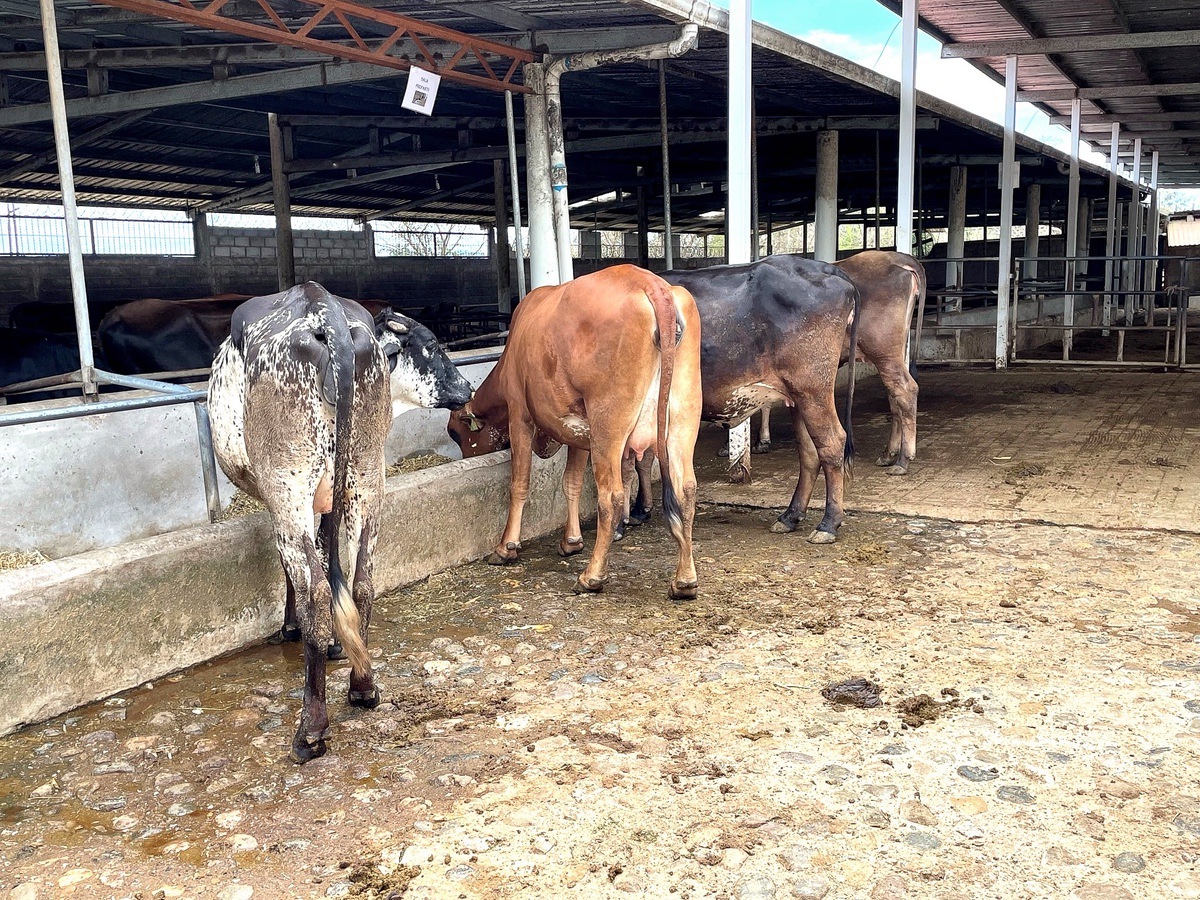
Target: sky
(867, 33)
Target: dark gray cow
(301, 403)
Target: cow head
(423, 377)
(475, 434)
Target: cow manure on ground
(370, 883)
(1028, 470)
(916, 711)
(1059, 387)
(867, 554)
(417, 462)
(242, 504)
(853, 692)
(19, 559)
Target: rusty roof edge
(713, 18)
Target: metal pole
(1133, 233)
(754, 254)
(668, 249)
(66, 175)
(737, 243)
(826, 222)
(208, 461)
(543, 253)
(1152, 229)
(878, 191)
(908, 127)
(1110, 240)
(1070, 248)
(284, 253)
(503, 260)
(516, 191)
(1008, 177)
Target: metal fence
(38, 233)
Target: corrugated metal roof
(1184, 230)
(972, 21)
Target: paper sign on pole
(421, 91)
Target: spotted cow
(301, 401)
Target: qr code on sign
(420, 98)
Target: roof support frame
(1073, 44)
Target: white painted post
(908, 127)
(516, 192)
(956, 231)
(1133, 235)
(826, 224)
(1008, 175)
(737, 241)
(543, 251)
(1152, 229)
(66, 176)
(1070, 246)
(1110, 241)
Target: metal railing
(1129, 296)
(959, 297)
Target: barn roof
(199, 139)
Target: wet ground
(1037, 732)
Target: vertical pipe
(826, 220)
(1070, 245)
(737, 241)
(516, 192)
(66, 175)
(908, 129)
(878, 191)
(208, 461)
(1133, 235)
(503, 262)
(1033, 225)
(668, 249)
(285, 259)
(543, 253)
(1152, 229)
(1008, 175)
(956, 227)
(1110, 240)
(754, 250)
(560, 197)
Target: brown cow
(608, 364)
(890, 287)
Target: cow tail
(346, 621)
(914, 347)
(666, 320)
(848, 455)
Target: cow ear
(397, 326)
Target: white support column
(516, 193)
(1008, 177)
(1133, 235)
(1070, 245)
(956, 230)
(826, 223)
(66, 176)
(543, 250)
(1152, 228)
(1033, 224)
(908, 127)
(1110, 241)
(737, 242)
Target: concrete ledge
(81, 628)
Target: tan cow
(607, 364)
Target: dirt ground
(1037, 731)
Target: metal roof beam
(1075, 43)
(203, 91)
(1115, 92)
(37, 160)
(1107, 118)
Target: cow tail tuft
(848, 455)
(666, 319)
(346, 622)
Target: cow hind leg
(639, 512)
(830, 440)
(572, 539)
(806, 481)
(763, 443)
(335, 651)
(610, 506)
(628, 474)
(363, 691)
(902, 392)
(289, 632)
(521, 439)
(680, 449)
(303, 565)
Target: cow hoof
(740, 475)
(822, 537)
(591, 586)
(761, 447)
(783, 526)
(570, 546)
(303, 752)
(722, 451)
(638, 517)
(897, 469)
(510, 553)
(887, 460)
(289, 633)
(335, 651)
(680, 592)
(364, 699)
(619, 531)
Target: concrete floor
(1068, 447)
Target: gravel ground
(537, 744)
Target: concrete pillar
(1033, 224)
(1008, 178)
(202, 244)
(1110, 240)
(1083, 243)
(543, 250)
(284, 254)
(503, 262)
(643, 232)
(589, 245)
(668, 235)
(956, 230)
(827, 196)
